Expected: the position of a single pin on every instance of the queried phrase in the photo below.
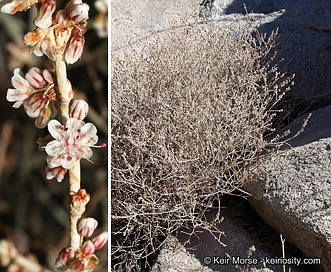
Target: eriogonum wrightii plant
(46, 94)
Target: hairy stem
(65, 95)
(74, 182)
(64, 87)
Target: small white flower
(71, 142)
(36, 92)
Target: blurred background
(33, 210)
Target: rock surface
(133, 20)
(293, 191)
(205, 254)
(304, 41)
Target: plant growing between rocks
(47, 94)
(193, 112)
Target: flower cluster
(36, 92)
(83, 258)
(63, 35)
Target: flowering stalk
(65, 95)
(60, 37)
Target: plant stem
(75, 215)
(64, 87)
(65, 94)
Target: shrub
(192, 112)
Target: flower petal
(54, 148)
(88, 134)
(61, 17)
(17, 95)
(53, 162)
(34, 104)
(92, 141)
(48, 76)
(54, 128)
(32, 38)
(87, 226)
(47, 49)
(79, 12)
(35, 77)
(84, 152)
(22, 87)
(18, 104)
(19, 82)
(74, 124)
(66, 162)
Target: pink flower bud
(66, 255)
(35, 77)
(78, 109)
(100, 240)
(79, 12)
(44, 14)
(88, 248)
(86, 226)
(75, 48)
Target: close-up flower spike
(47, 94)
